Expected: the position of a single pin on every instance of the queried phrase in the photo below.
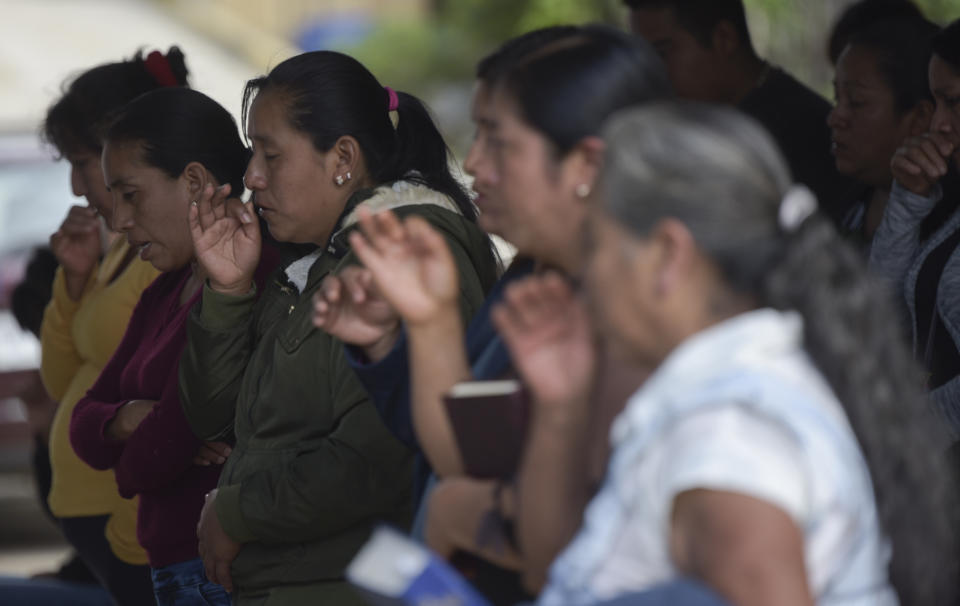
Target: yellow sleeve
(59, 357)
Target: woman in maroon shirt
(162, 152)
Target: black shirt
(797, 118)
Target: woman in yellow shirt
(93, 299)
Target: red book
(489, 420)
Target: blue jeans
(185, 584)
(29, 592)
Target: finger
(330, 289)
(221, 200)
(81, 211)
(427, 241)
(210, 569)
(945, 146)
(200, 461)
(223, 575)
(221, 448)
(901, 163)
(505, 321)
(389, 225)
(377, 228)
(235, 209)
(923, 154)
(933, 156)
(196, 227)
(77, 226)
(371, 258)
(355, 286)
(204, 206)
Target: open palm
(349, 307)
(551, 342)
(226, 240)
(410, 264)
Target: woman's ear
(675, 254)
(348, 158)
(196, 177)
(585, 163)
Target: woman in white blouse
(780, 450)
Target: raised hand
(410, 264)
(226, 240)
(550, 338)
(349, 307)
(76, 245)
(922, 161)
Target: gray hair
(712, 168)
(719, 173)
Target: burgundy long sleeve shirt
(156, 461)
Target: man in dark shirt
(710, 57)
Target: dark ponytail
(857, 343)
(177, 126)
(76, 121)
(720, 173)
(330, 95)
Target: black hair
(720, 173)
(946, 44)
(329, 95)
(863, 14)
(701, 17)
(30, 297)
(177, 126)
(76, 121)
(567, 88)
(902, 49)
(494, 64)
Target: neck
(747, 74)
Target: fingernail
(245, 218)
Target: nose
(940, 122)
(255, 178)
(121, 219)
(77, 183)
(837, 118)
(473, 157)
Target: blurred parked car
(34, 198)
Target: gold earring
(582, 190)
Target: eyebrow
(262, 138)
(116, 182)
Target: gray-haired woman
(778, 445)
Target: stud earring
(582, 190)
(349, 176)
(338, 180)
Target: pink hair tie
(159, 67)
(393, 102)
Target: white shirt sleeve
(733, 448)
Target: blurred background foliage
(430, 53)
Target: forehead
(655, 24)
(943, 76)
(268, 116)
(859, 63)
(121, 158)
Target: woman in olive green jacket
(313, 468)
